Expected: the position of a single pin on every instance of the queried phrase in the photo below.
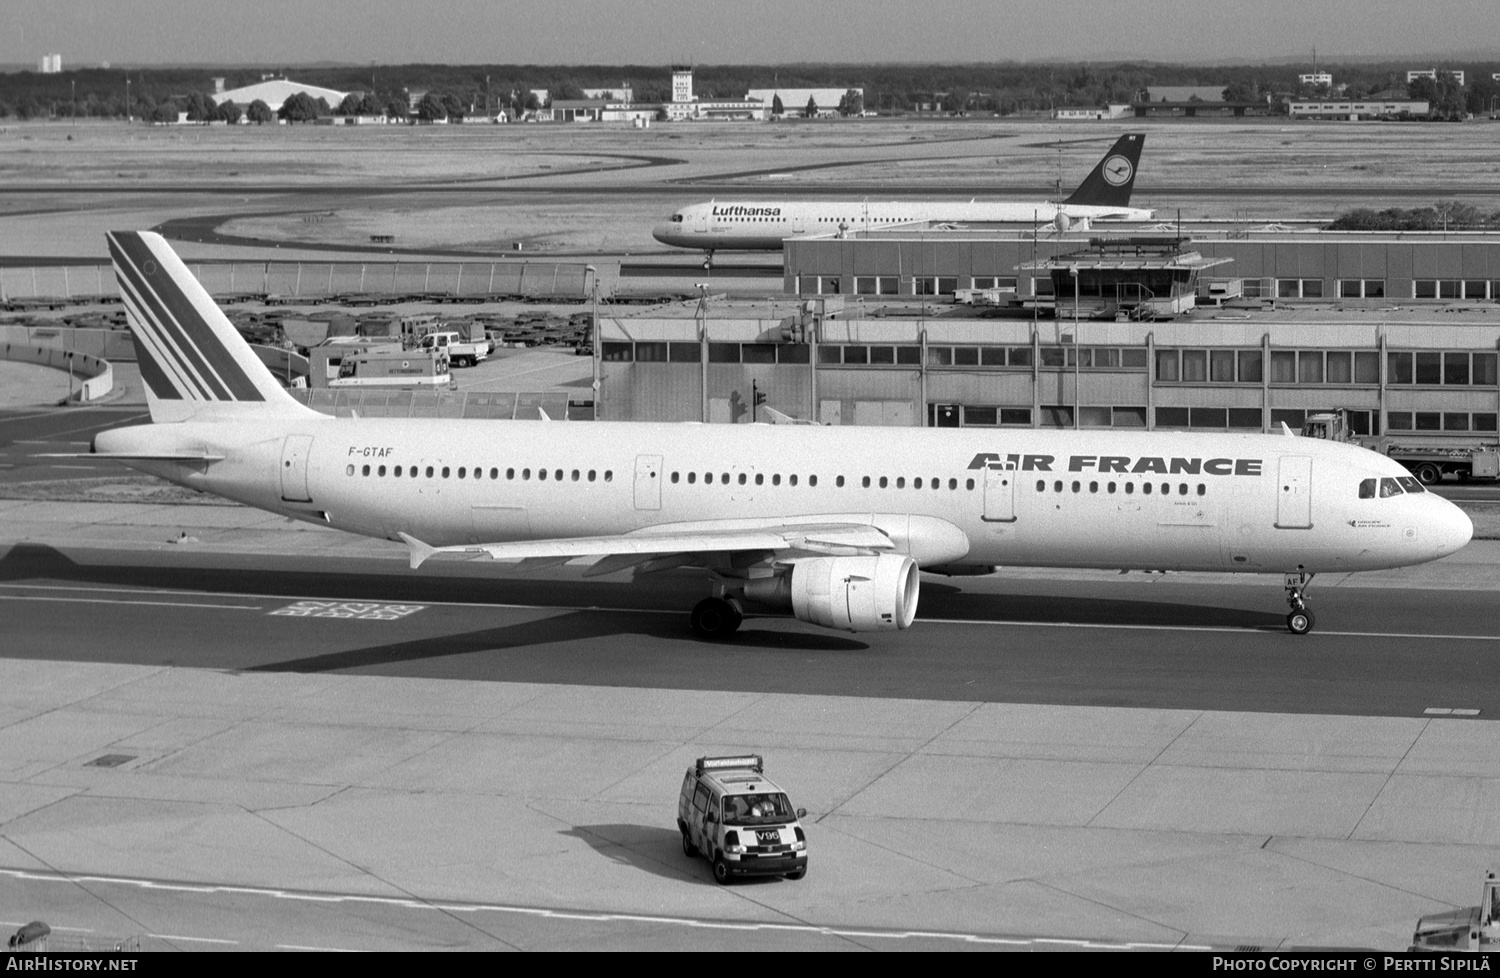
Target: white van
(729, 812)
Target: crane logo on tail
(1117, 171)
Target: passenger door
(294, 455)
(648, 482)
(1294, 493)
(1000, 495)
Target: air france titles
(1119, 464)
(737, 210)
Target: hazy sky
(648, 32)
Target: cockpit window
(1367, 488)
(1410, 484)
(1389, 487)
(676, 218)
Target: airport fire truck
(1430, 462)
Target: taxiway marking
(560, 609)
(161, 604)
(595, 916)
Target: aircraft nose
(1454, 529)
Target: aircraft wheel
(1300, 622)
(716, 618)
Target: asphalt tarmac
(225, 731)
(1147, 643)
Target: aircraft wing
(769, 537)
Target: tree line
(460, 90)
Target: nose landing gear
(1300, 621)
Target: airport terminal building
(1397, 372)
(1402, 330)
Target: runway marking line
(668, 611)
(602, 916)
(156, 604)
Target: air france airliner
(831, 523)
(763, 225)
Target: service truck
(1469, 929)
(459, 352)
(1429, 462)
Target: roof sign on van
(751, 761)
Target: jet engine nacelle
(856, 594)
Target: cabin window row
(1147, 488)
(478, 472)
(776, 479)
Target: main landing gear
(708, 261)
(716, 618)
(1300, 621)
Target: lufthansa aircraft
(832, 523)
(763, 225)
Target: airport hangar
(1401, 329)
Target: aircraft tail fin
(194, 363)
(1110, 183)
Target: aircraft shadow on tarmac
(940, 600)
(594, 609)
(593, 628)
(649, 848)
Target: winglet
(1287, 431)
(419, 550)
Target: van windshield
(755, 809)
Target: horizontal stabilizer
(139, 456)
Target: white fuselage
(1058, 498)
(763, 225)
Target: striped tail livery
(194, 363)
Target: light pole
(593, 274)
(127, 99)
(703, 346)
(73, 87)
(1077, 365)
